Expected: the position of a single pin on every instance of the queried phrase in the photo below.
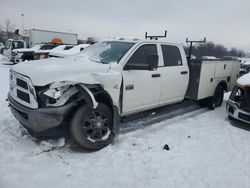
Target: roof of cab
(137, 40)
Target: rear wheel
(92, 128)
(216, 100)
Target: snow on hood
(244, 80)
(46, 71)
(73, 51)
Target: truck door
(175, 74)
(141, 88)
(7, 49)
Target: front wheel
(92, 128)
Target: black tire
(216, 100)
(92, 128)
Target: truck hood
(43, 72)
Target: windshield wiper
(95, 60)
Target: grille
(23, 96)
(22, 90)
(21, 83)
(244, 116)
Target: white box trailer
(37, 36)
(206, 74)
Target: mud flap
(116, 120)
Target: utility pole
(22, 22)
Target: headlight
(56, 93)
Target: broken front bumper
(41, 119)
(236, 113)
(14, 60)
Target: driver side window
(141, 54)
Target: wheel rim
(96, 125)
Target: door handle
(184, 72)
(156, 75)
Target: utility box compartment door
(223, 69)
(207, 81)
(201, 79)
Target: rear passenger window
(171, 55)
(140, 56)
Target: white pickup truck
(87, 94)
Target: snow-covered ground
(205, 151)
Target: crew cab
(12, 44)
(87, 94)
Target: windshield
(8, 44)
(106, 52)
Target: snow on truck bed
(205, 151)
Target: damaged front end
(238, 105)
(60, 93)
(57, 102)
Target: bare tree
(220, 51)
(9, 27)
(211, 49)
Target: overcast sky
(222, 21)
